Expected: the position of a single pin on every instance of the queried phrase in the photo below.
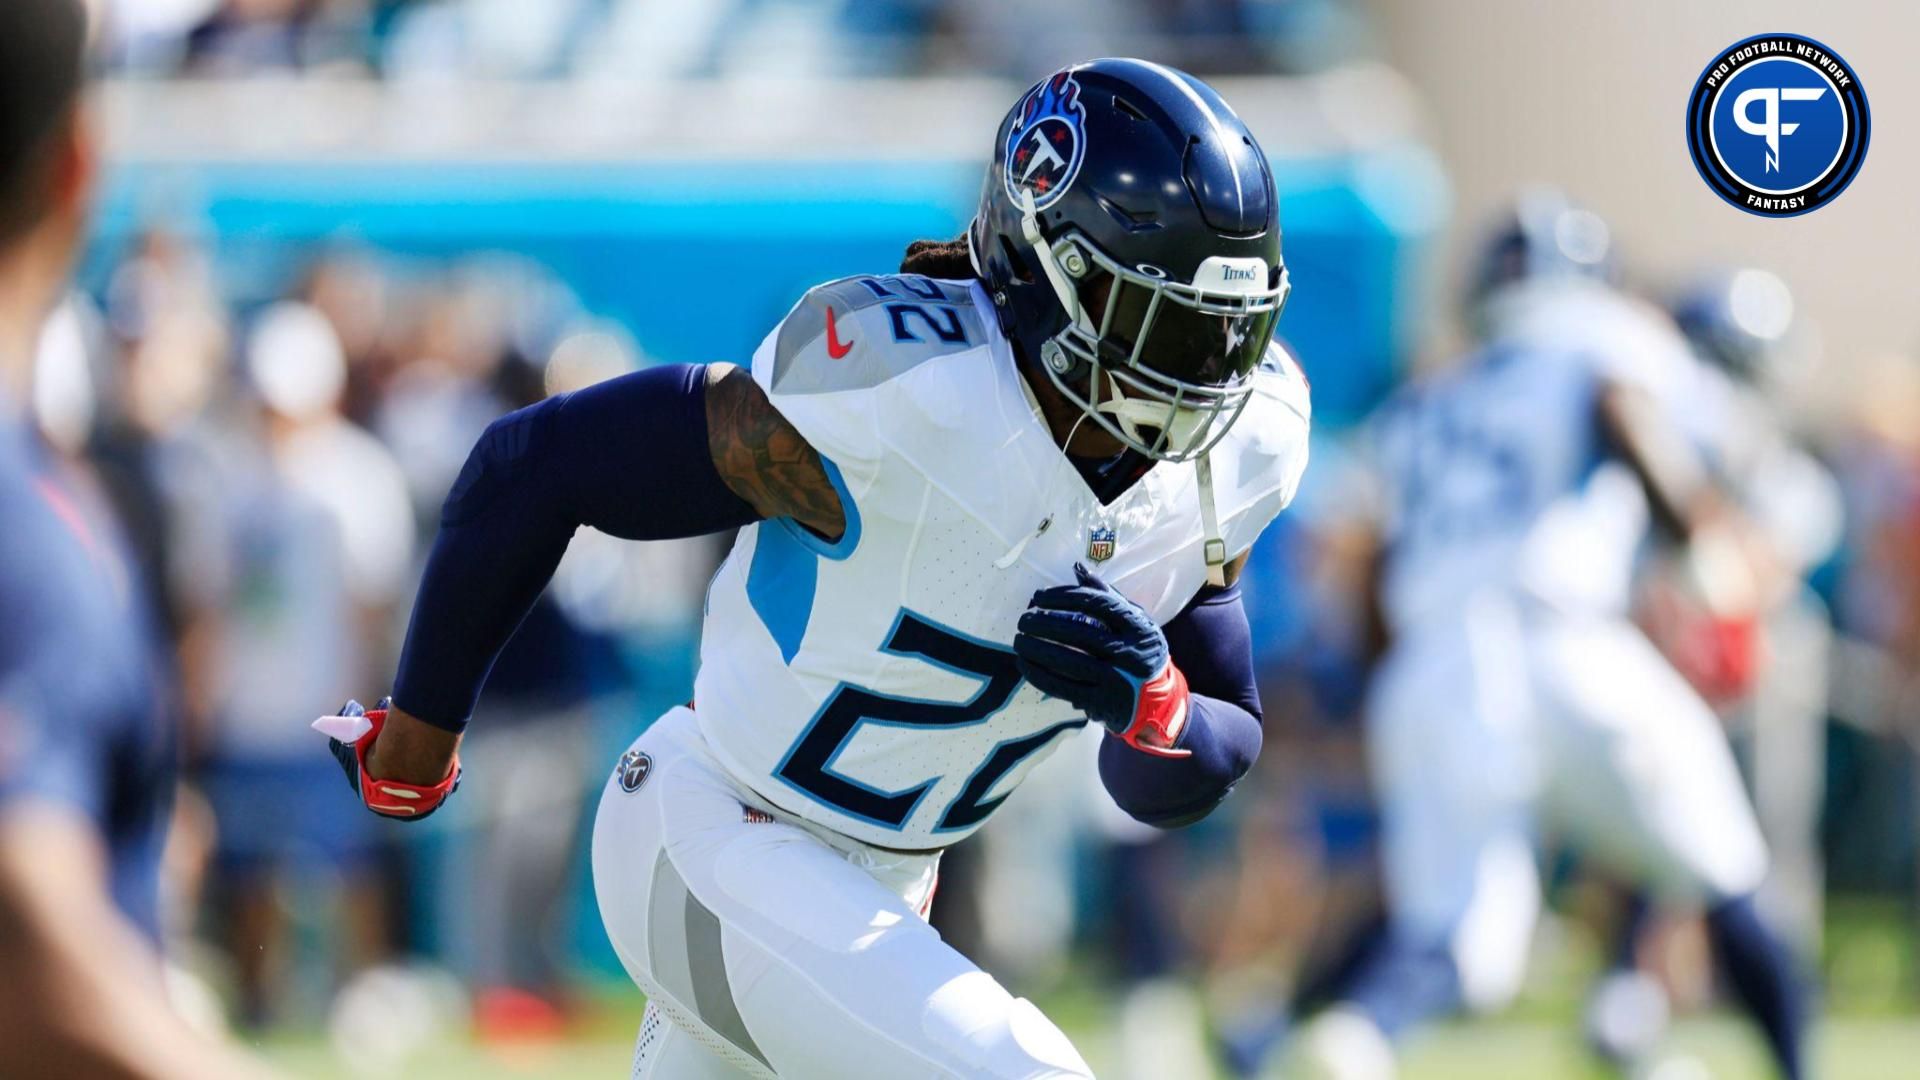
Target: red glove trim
(394, 798)
(1727, 659)
(1160, 715)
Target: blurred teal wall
(701, 259)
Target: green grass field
(1869, 974)
(1515, 1049)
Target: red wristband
(1160, 715)
(394, 798)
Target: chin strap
(1057, 279)
(1127, 412)
(1213, 546)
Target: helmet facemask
(1166, 367)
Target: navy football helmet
(1741, 320)
(1541, 234)
(1129, 235)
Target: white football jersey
(1783, 489)
(1494, 473)
(868, 685)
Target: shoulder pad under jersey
(1259, 464)
(1281, 376)
(860, 332)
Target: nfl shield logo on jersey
(1100, 544)
(633, 769)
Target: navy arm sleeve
(1211, 643)
(628, 457)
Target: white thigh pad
(1003, 1037)
(1642, 774)
(803, 888)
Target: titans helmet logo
(1047, 142)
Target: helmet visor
(1168, 363)
(1151, 326)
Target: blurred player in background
(923, 466)
(1514, 693)
(1742, 324)
(1769, 678)
(1759, 352)
(87, 749)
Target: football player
(1771, 673)
(86, 740)
(1514, 692)
(1741, 323)
(981, 502)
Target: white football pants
(771, 948)
(1517, 717)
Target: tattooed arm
(660, 454)
(763, 459)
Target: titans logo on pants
(1778, 125)
(634, 768)
(1047, 142)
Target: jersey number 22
(808, 765)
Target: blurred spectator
(439, 399)
(357, 295)
(647, 39)
(166, 328)
(289, 565)
(1868, 836)
(502, 38)
(1878, 460)
(252, 36)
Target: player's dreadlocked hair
(939, 259)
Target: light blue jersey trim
(784, 575)
(781, 582)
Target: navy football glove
(350, 734)
(1090, 645)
